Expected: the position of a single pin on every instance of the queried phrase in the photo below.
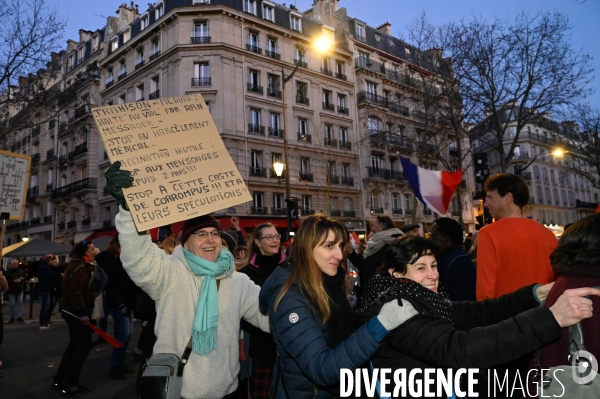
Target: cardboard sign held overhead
(14, 180)
(178, 160)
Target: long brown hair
(256, 234)
(312, 233)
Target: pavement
(30, 358)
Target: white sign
(14, 179)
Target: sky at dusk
(583, 15)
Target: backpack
(98, 280)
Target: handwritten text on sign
(178, 160)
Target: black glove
(116, 180)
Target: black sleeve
(471, 314)
(357, 260)
(438, 343)
(461, 279)
(241, 239)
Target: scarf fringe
(204, 342)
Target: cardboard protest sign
(14, 179)
(178, 160)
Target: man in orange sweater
(513, 251)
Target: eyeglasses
(271, 237)
(205, 234)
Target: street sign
(14, 180)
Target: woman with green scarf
(198, 295)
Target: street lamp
(321, 45)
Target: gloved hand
(394, 313)
(124, 310)
(116, 180)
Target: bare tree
(511, 73)
(584, 159)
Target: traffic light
(292, 207)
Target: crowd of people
(262, 318)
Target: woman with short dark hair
(460, 334)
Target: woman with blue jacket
(311, 319)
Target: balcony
(376, 210)
(256, 129)
(139, 63)
(274, 175)
(345, 144)
(85, 222)
(201, 81)
(33, 191)
(341, 76)
(348, 180)
(273, 54)
(305, 137)
(47, 219)
(278, 211)
(335, 213)
(74, 188)
(254, 88)
(328, 106)
(307, 211)
(35, 159)
(62, 127)
(154, 95)
(350, 214)
(333, 179)
(300, 99)
(258, 171)
(273, 92)
(521, 156)
(122, 75)
(62, 160)
(259, 210)
(109, 82)
(585, 205)
(71, 224)
(274, 132)
(379, 68)
(343, 110)
(326, 71)
(107, 224)
(254, 49)
(49, 188)
(397, 211)
(423, 116)
(80, 149)
(329, 142)
(60, 226)
(307, 176)
(385, 174)
(200, 39)
(300, 62)
(154, 55)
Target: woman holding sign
(200, 299)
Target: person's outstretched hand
(394, 313)
(572, 306)
(116, 180)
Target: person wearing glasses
(266, 253)
(199, 296)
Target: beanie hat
(197, 223)
(47, 258)
(230, 237)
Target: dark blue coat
(307, 362)
(48, 277)
(457, 274)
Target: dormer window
(95, 43)
(250, 6)
(296, 22)
(377, 37)
(268, 11)
(126, 34)
(114, 43)
(159, 10)
(144, 21)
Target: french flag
(434, 188)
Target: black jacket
(482, 335)
(48, 277)
(457, 273)
(120, 290)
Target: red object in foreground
(113, 342)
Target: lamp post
(322, 44)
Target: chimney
(385, 28)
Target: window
(302, 127)
(407, 203)
(258, 201)
(201, 33)
(301, 89)
(304, 165)
(274, 121)
(377, 162)
(95, 43)
(253, 79)
(340, 69)
(327, 99)
(114, 43)
(377, 37)
(202, 70)
(346, 170)
(374, 199)
(121, 99)
(126, 34)
(71, 62)
(253, 40)
(144, 21)
(372, 88)
(250, 6)
(390, 43)
(268, 12)
(254, 117)
(80, 55)
(329, 140)
(272, 47)
(344, 137)
(373, 125)
(360, 32)
(139, 93)
(159, 10)
(273, 85)
(306, 203)
(140, 58)
(154, 87)
(122, 69)
(325, 65)
(396, 203)
(296, 22)
(256, 159)
(394, 164)
(276, 158)
(278, 201)
(331, 168)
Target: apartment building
(558, 195)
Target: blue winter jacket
(308, 364)
(48, 277)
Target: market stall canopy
(36, 247)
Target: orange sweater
(513, 253)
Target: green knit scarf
(204, 331)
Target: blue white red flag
(434, 188)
